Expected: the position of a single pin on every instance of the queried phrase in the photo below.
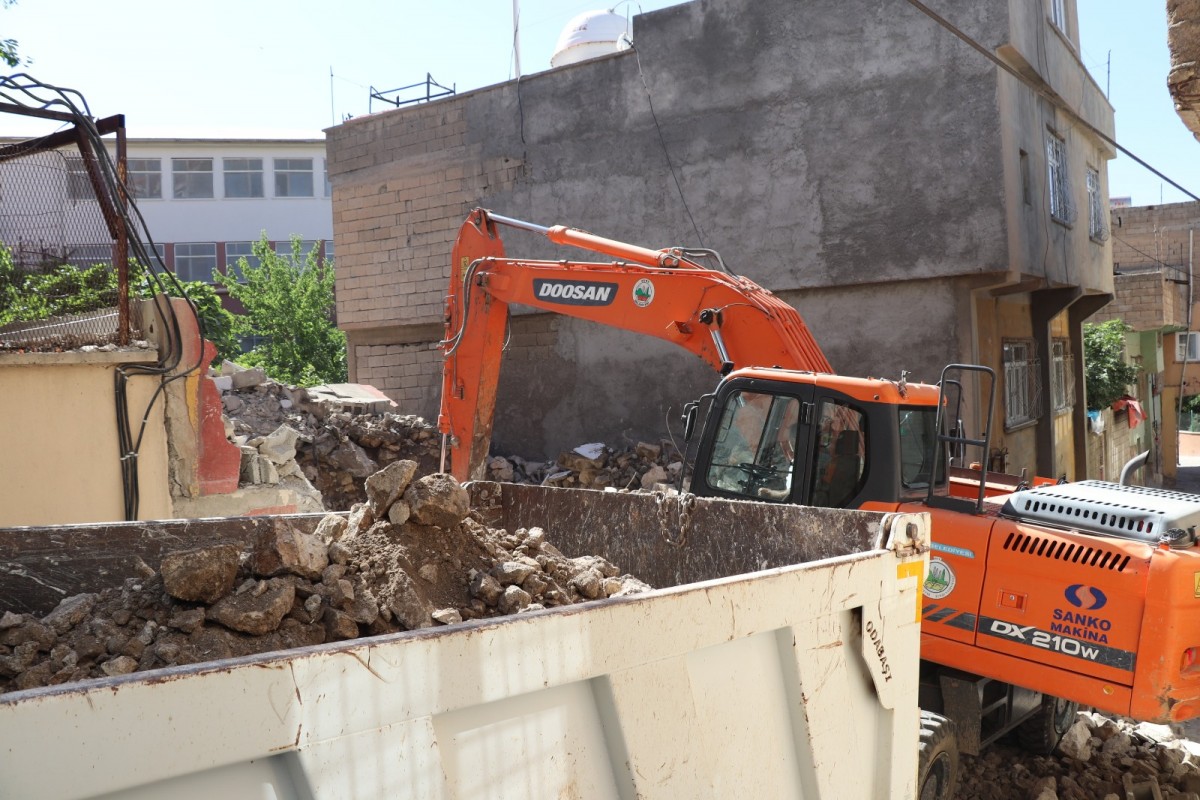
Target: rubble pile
(414, 555)
(336, 448)
(1099, 759)
(597, 466)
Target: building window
(195, 261)
(234, 253)
(328, 185)
(1026, 190)
(79, 184)
(243, 177)
(329, 250)
(1056, 166)
(145, 177)
(1020, 383)
(83, 256)
(1058, 14)
(192, 177)
(306, 247)
(293, 177)
(1187, 347)
(1062, 375)
(1096, 228)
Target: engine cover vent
(1045, 547)
(1129, 512)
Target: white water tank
(590, 35)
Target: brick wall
(1145, 236)
(397, 211)
(1147, 301)
(410, 374)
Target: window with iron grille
(195, 261)
(1096, 227)
(243, 177)
(192, 178)
(1056, 169)
(1021, 391)
(79, 185)
(145, 177)
(293, 177)
(1062, 375)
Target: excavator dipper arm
(726, 320)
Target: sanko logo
(575, 293)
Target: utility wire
(1042, 91)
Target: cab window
(755, 448)
(839, 466)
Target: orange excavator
(1039, 596)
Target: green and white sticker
(940, 579)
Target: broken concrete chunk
(588, 583)
(1076, 743)
(204, 575)
(486, 588)
(510, 572)
(399, 513)
(70, 612)
(259, 615)
(280, 445)
(283, 549)
(447, 616)
(388, 484)
(246, 378)
(339, 625)
(514, 600)
(650, 452)
(121, 665)
(437, 500)
(501, 469)
(361, 518)
(331, 528)
(11, 620)
(187, 621)
(655, 474)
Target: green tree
(1106, 372)
(289, 303)
(8, 47)
(66, 289)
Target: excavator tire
(937, 760)
(1042, 732)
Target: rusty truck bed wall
(665, 541)
(672, 540)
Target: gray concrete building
(917, 204)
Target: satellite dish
(590, 35)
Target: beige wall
(59, 440)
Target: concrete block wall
(1145, 236)
(1147, 301)
(811, 152)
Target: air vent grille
(1130, 512)
(1069, 552)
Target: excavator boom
(726, 320)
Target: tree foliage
(289, 303)
(8, 47)
(66, 289)
(1107, 373)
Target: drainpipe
(1183, 366)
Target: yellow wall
(59, 439)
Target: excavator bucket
(668, 540)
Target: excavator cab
(820, 440)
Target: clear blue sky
(261, 66)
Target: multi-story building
(205, 201)
(918, 205)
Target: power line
(1041, 91)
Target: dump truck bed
(778, 664)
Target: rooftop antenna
(517, 36)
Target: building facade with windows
(205, 201)
(1153, 254)
(917, 204)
